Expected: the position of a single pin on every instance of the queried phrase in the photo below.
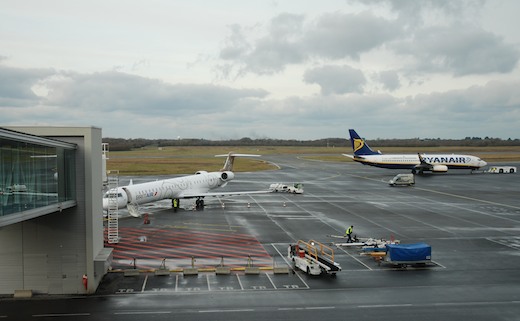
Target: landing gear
(199, 204)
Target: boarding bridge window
(34, 176)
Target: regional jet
(191, 186)
(416, 162)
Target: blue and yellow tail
(359, 146)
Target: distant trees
(120, 144)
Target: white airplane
(416, 162)
(191, 186)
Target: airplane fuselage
(179, 187)
(411, 161)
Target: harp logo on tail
(358, 144)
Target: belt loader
(313, 257)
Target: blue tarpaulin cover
(409, 252)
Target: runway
(472, 222)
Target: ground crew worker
(175, 204)
(349, 233)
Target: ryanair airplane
(417, 163)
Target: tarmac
(471, 221)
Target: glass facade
(34, 173)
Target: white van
(402, 179)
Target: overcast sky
(295, 69)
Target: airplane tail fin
(359, 146)
(228, 164)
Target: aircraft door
(129, 197)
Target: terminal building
(51, 218)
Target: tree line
(122, 144)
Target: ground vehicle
(403, 179)
(408, 254)
(313, 258)
(502, 169)
(296, 188)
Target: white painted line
(176, 282)
(437, 263)
(385, 306)
(225, 311)
(352, 256)
(307, 308)
(308, 287)
(240, 282)
(52, 315)
(440, 304)
(274, 286)
(144, 283)
(142, 312)
(472, 199)
(207, 279)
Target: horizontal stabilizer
(238, 155)
(228, 164)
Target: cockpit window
(113, 195)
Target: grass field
(188, 160)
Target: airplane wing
(424, 165)
(192, 194)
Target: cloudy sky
(287, 69)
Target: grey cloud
(130, 106)
(389, 79)
(16, 85)
(236, 44)
(336, 79)
(495, 107)
(451, 43)
(337, 35)
(268, 54)
(460, 51)
(111, 91)
(414, 13)
(289, 40)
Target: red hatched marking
(180, 246)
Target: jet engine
(227, 176)
(440, 168)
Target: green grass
(188, 160)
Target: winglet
(421, 159)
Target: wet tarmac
(471, 221)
